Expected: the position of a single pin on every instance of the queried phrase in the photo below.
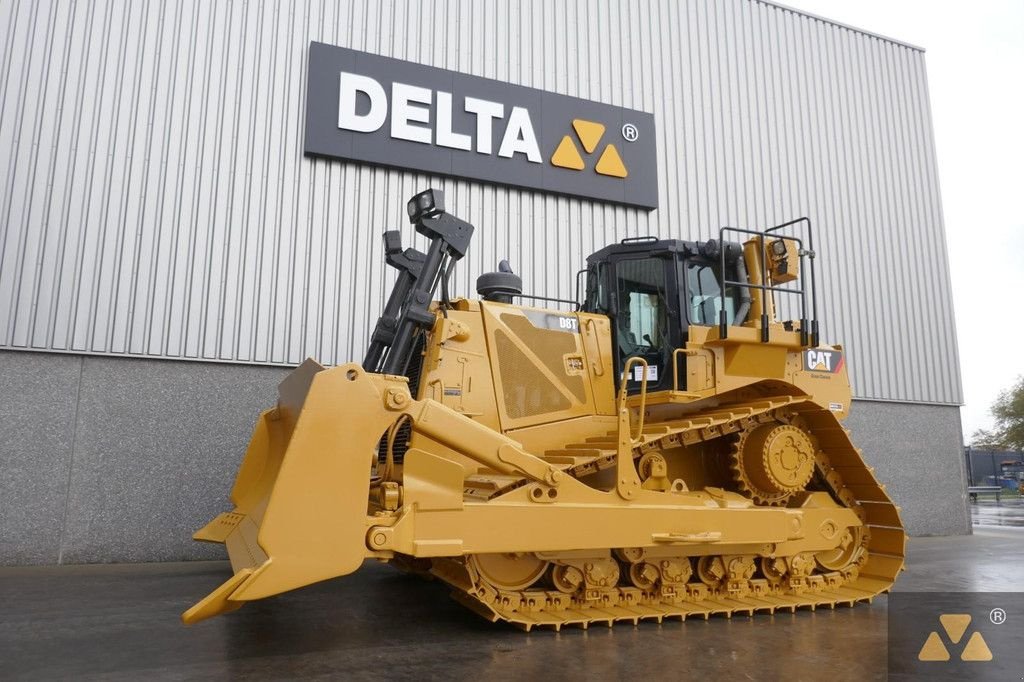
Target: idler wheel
(844, 554)
(509, 572)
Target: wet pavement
(121, 622)
(1008, 512)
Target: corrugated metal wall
(155, 200)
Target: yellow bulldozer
(664, 448)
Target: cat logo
(830, 361)
(590, 134)
(955, 625)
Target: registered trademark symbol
(630, 132)
(997, 616)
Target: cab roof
(652, 246)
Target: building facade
(168, 250)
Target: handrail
(439, 397)
(811, 255)
(689, 352)
(576, 304)
(580, 301)
(805, 337)
(643, 393)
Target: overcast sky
(975, 61)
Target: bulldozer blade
(301, 494)
(217, 602)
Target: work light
(426, 204)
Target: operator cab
(653, 290)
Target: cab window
(704, 295)
(643, 315)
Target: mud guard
(302, 491)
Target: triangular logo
(589, 132)
(567, 156)
(610, 163)
(933, 649)
(976, 649)
(955, 625)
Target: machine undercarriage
(698, 576)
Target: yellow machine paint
(553, 467)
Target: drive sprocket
(770, 462)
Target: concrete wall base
(917, 453)
(108, 459)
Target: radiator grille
(525, 389)
(551, 347)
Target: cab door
(645, 305)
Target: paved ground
(1007, 512)
(121, 622)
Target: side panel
(457, 368)
(714, 367)
(456, 372)
(540, 370)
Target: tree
(1008, 432)
(983, 439)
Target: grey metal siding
(155, 201)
